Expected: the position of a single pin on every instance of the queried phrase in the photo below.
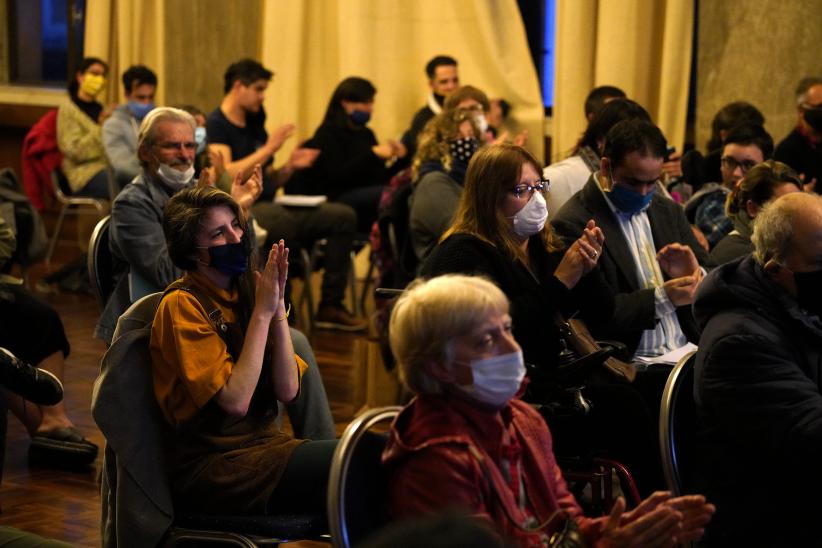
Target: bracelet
(287, 312)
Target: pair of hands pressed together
(679, 262)
(582, 256)
(270, 283)
(390, 149)
(659, 520)
(244, 189)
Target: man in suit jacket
(651, 259)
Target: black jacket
(805, 158)
(758, 391)
(635, 306)
(534, 297)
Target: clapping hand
(303, 158)
(582, 256)
(280, 136)
(271, 281)
(677, 260)
(246, 191)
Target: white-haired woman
(467, 442)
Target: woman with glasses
(744, 147)
(761, 184)
(501, 232)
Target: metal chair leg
(56, 234)
(308, 293)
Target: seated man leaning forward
(221, 359)
(758, 381)
(467, 442)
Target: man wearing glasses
(651, 259)
(743, 147)
(801, 148)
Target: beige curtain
(641, 46)
(314, 44)
(123, 33)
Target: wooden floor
(66, 505)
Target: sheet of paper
(671, 358)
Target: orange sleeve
(191, 361)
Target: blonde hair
(430, 315)
(435, 139)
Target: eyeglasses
(730, 163)
(542, 185)
(190, 146)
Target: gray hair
(430, 315)
(804, 86)
(147, 136)
(774, 224)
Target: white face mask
(531, 219)
(482, 122)
(497, 379)
(175, 179)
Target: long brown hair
(492, 173)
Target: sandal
(62, 448)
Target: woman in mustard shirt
(221, 357)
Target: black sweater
(534, 297)
(346, 161)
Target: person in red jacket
(467, 443)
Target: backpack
(24, 220)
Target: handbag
(585, 344)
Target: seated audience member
(442, 79)
(598, 98)
(570, 175)
(743, 148)
(800, 149)
(498, 111)
(166, 146)
(217, 380)
(79, 136)
(445, 147)
(738, 113)
(32, 331)
(760, 185)
(236, 130)
(475, 102)
(353, 167)
(757, 388)
(650, 260)
(500, 232)
(466, 442)
(121, 129)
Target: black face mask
(813, 116)
(809, 291)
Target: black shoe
(32, 383)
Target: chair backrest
(357, 484)
(677, 426)
(100, 262)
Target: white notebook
(300, 200)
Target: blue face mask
(200, 138)
(627, 200)
(359, 117)
(230, 259)
(139, 110)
